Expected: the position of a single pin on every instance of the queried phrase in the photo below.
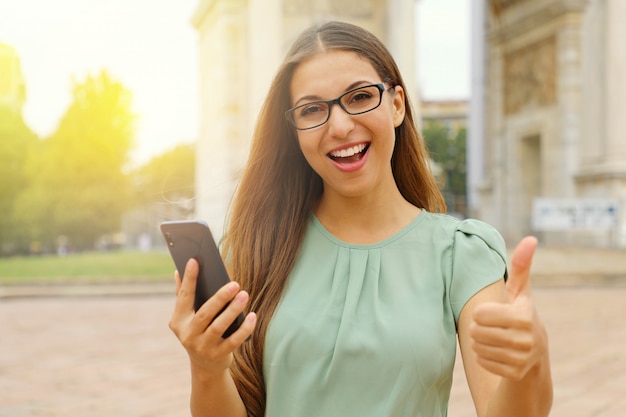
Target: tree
(16, 141)
(77, 185)
(167, 178)
(448, 149)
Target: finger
(502, 369)
(178, 282)
(227, 315)
(210, 310)
(493, 314)
(186, 292)
(240, 336)
(243, 333)
(498, 337)
(505, 355)
(519, 276)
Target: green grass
(91, 267)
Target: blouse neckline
(365, 246)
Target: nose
(340, 123)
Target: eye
(311, 109)
(361, 95)
(358, 98)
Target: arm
(505, 346)
(214, 396)
(213, 391)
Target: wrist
(207, 376)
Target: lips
(349, 155)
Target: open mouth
(348, 155)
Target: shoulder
(467, 241)
(475, 257)
(453, 228)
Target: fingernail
(189, 265)
(232, 287)
(242, 297)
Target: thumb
(518, 281)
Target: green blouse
(370, 330)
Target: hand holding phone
(188, 239)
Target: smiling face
(351, 153)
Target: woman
(356, 288)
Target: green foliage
(168, 178)
(448, 149)
(76, 185)
(16, 140)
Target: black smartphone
(188, 239)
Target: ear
(398, 106)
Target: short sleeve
(478, 260)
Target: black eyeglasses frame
(381, 89)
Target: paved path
(114, 356)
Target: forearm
(529, 397)
(215, 396)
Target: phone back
(193, 239)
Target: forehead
(330, 72)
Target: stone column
(616, 105)
(593, 140)
(222, 50)
(476, 128)
(616, 83)
(265, 37)
(401, 42)
(569, 90)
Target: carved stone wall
(500, 6)
(555, 99)
(530, 77)
(345, 8)
(534, 94)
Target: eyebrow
(317, 98)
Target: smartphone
(188, 239)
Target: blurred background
(116, 115)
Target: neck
(365, 219)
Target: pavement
(105, 350)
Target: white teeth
(344, 153)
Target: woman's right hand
(201, 332)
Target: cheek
(308, 149)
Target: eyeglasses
(356, 101)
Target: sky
(150, 47)
(443, 48)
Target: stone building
(240, 45)
(552, 157)
(450, 113)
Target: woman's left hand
(508, 337)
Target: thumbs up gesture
(508, 337)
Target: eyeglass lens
(356, 101)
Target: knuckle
(173, 326)
(518, 345)
(518, 363)
(183, 292)
(523, 322)
(186, 341)
(215, 330)
(203, 315)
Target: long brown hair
(278, 190)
